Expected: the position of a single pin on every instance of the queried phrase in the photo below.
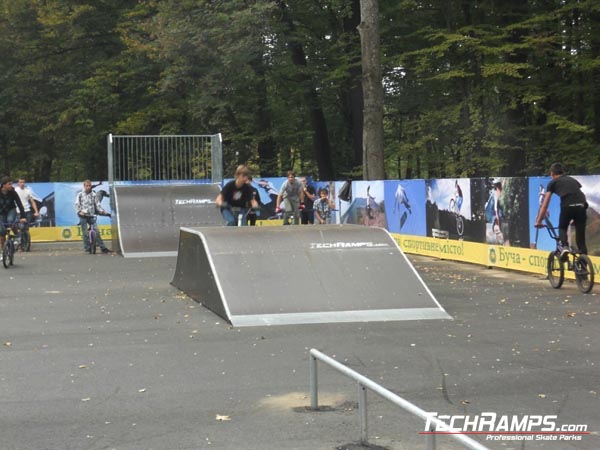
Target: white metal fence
(165, 158)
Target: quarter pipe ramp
(149, 217)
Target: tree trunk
(266, 144)
(373, 163)
(321, 145)
(5, 158)
(354, 93)
(595, 49)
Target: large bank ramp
(149, 216)
(301, 274)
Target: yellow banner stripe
(513, 258)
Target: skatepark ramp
(254, 276)
(148, 217)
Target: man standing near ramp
(26, 196)
(237, 194)
(292, 194)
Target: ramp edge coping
(380, 315)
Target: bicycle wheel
(11, 251)
(584, 273)
(92, 242)
(460, 225)
(451, 205)
(6, 253)
(556, 270)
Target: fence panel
(165, 158)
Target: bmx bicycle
(14, 240)
(8, 249)
(460, 224)
(239, 214)
(579, 263)
(23, 238)
(92, 232)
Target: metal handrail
(365, 383)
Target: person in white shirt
(26, 195)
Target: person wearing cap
(9, 202)
(573, 207)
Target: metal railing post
(430, 439)
(217, 158)
(365, 383)
(362, 413)
(110, 159)
(314, 394)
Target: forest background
(471, 87)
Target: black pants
(578, 214)
(307, 217)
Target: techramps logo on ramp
(345, 245)
(193, 201)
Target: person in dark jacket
(237, 194)
(253, 213)
(9, 202)
(573, 207)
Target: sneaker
(564, 254)
(105, 250)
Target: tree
(468, 88)
(373, 160)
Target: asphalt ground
(101, 352)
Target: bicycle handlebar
(226, 205)
(552, 230)
(88, 216)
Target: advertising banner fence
(486, 221)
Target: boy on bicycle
(238, 193)
(573, 207)
(87, 206)
(9, 202)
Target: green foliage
(473, 88)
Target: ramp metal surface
(149, 216)
(301, 274)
